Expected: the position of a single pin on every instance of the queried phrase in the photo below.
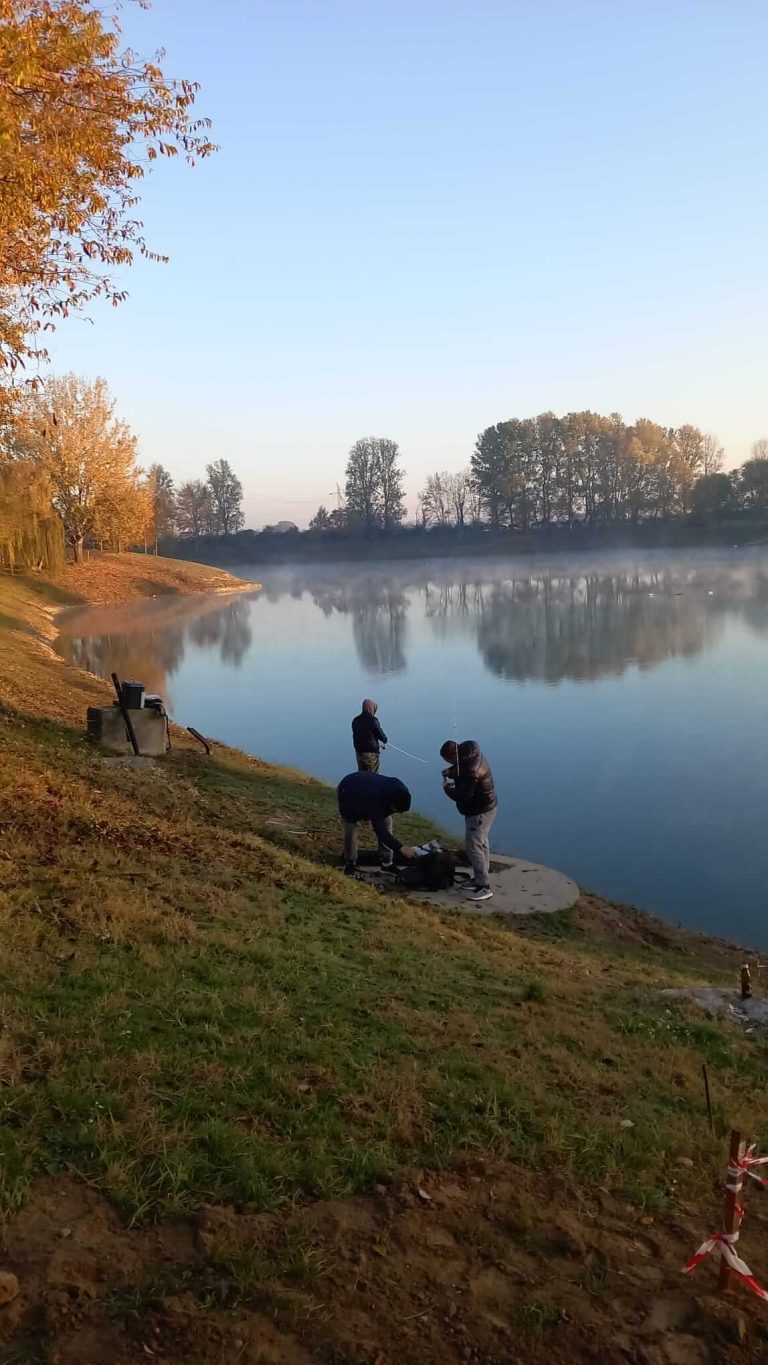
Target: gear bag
(436, 871)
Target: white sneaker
(483, 893)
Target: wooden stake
(746, 982)
(731, 1214)
(705, 1074)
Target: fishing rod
(390, 745)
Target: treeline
(582, 469)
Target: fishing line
(390, 745)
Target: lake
(621, 700)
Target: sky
(426, 217)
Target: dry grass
(197, 1006)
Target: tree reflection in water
(576, 620)
(149, 644)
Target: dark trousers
(368, 763)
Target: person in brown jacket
(468, 781)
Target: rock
(9, 1286)
(685, 1161)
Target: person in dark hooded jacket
(372, 798)
(367, 737)
(468, 781)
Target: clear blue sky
(428, 216)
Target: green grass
(198, 1007)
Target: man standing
(372, 798)
(367, 736)
(469, 782)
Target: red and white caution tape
(746, 1162)
(723, 1243)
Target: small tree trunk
(77, 546)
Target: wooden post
(731, 1214)
(708, 1096)
(746, 983)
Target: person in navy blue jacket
(372, 798)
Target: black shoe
(350, 869)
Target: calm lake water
(622, 702)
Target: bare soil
(480, 1264)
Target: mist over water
(622, 701)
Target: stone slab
(519, 887)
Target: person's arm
(383, 835)
(379, 733)
(450, 790)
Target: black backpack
(435, 871)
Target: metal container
(133, 695)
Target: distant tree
(81, 122)
(713, 455)
(363, 493)
(162, 504)
(753, 482)
(435, 500)
(374, 484)
(321, 521)
(227, 497)
(391, 483)
(713, 498)
(194, 509)
(759, 449)
(89, 456)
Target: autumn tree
(226, 493)
(194, 509)
(80, 123)
(161, 503)
(30, 532)
(89, 456)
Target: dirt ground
(478, 1264)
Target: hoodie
(367, 734)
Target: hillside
(252, 1111)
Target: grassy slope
(196, 1005)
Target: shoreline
(621, 914)
(256, 1101)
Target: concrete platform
(519, 888)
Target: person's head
(469, 754)
(401, 800)
(449, 751)
(370, 706)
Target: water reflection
(148, 640)
(553, 624)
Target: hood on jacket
(469, 755)
(370, 706)
(449, 751)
